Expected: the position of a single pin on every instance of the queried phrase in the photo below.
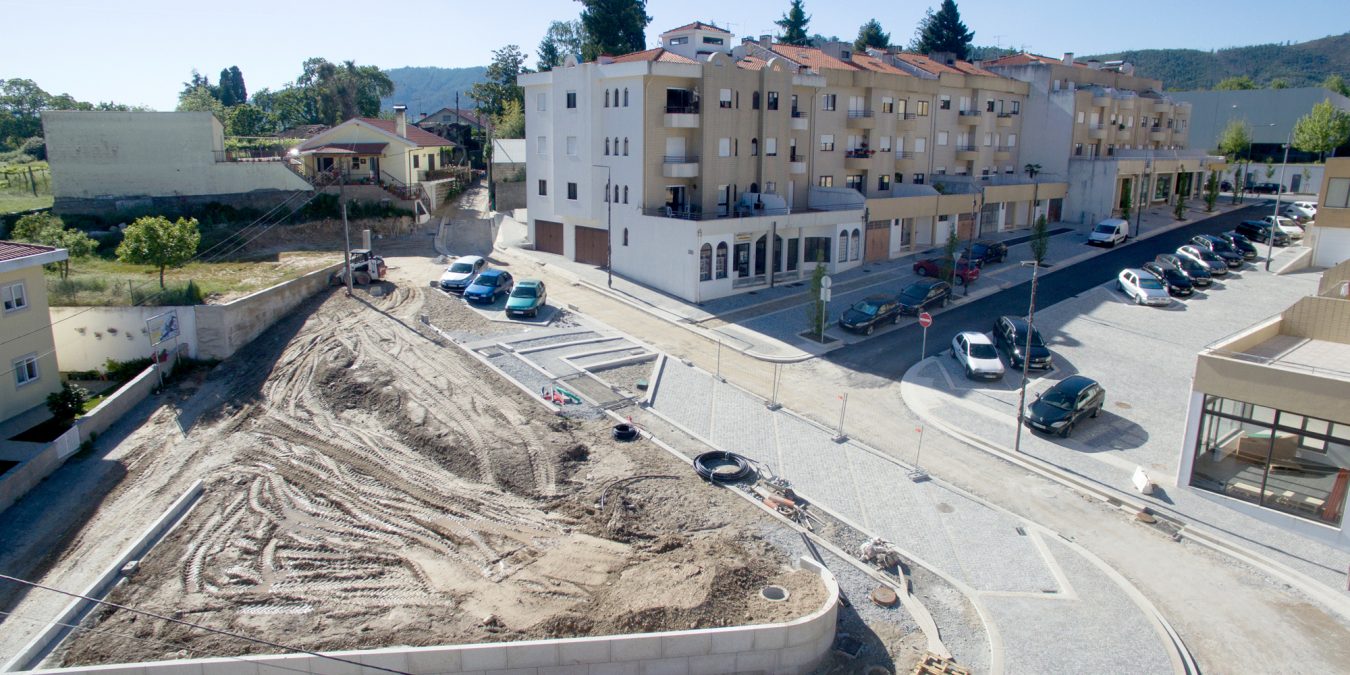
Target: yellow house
(27, 350)
(365, 150)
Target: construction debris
(879, 552)
(933, 664)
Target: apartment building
(27, 351)
(1268, 431)
(705, 169)
(1106, 132)
(1331, 231)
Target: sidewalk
(767, 324)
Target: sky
(141, 51)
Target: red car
(941, 267)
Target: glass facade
(1278, 459)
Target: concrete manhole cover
(1123, 405)
(774, 593)
(944, 507)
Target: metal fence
(18, 180)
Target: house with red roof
(368, 150)
(27, 348)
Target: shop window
(722, 260)
(843, 247)
(704, 262)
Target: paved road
(891, 354)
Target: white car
(462, 272)
(1145, 288)
(1301, 210)
(1286, 225)
(977, 355)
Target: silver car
(1216, 266)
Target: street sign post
(925, 320)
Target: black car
(920, 295)
(1242, 244)
(1260, 232)
(989, 251)
(1226, 186)
(1266, 188)
(1197, 273)
(865, 314)
(1061, 407)
(1220, 247)
(1174, 279)
(1010, 336)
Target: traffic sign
(925, 319)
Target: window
(541, 102)
(828, 101)
(571, 100)
(988, 138)
(722, 260)
(682, 40)
(884, 144)
(543, 188)
(923, 108)
(942, 138)
(606, 98)
(1338, 193)
(15, 297)
(1056, 85)
(724, 147)
(1080, 116)
(940, 171)
(918, 179)
(884, 182)
(770, 187)
(989, 105)
(965, 103)
(855, 245)
(887, 104)
(754, 101)
(724, 99)
(1078, 149)
(826, 142)
(616, 193)
(416, 161)
(1012, 140)
(572, 191)
(542, 144)
(843, 246)
(571, 146)
(771, 147)
(705, 262)
(754, 147)
(26, 369)
(944, 102)
(825, 181)
(817, 249)
(625, 147)
(625, 236)
(771, 102)
(625, 194)
(713, 40)
(902, 106)
(854, 183)
(607, 144)
(625, 97)
(920, 144)
(1016, 107)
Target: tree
(948, 271)
(561, 39)
(246, 120)
(943, 31)
(1235, 141)
(231, 88)
(1031, 170)
(816, 308)
(871, 35)
(49, 230)
(1322, 130)
(1040, 240)
(67, 404)
(1236, 83)
(201, 100)
(794, 24)
(199, 81)
(1279, 83)
(155, 240)
(613, 27)
(499, 85)
(1179, 208)
(1126, 198)
(1211, 191)
(1337, 84)
(511, 123)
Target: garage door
(548, 237)
(878, 243)
(592, 246)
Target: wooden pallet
(936, 665)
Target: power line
(217, 631)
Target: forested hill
(1304, 64)
(428, 89)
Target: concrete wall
(792, 647)
(25, 332)
(119, 403)
(223, 329)
(151, 154)
(86, 337)
(510, 194)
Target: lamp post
(1026, 354)
(609, 224)
(1275, 221)
(976, 204)
(1143, 197)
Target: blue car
(488, 285)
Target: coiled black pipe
(708, 463)
(625, 432)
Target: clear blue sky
(139, 51)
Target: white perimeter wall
(88, 336)
(1333, 246)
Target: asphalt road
(891, 354)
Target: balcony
(967, 153)
(1098, 130)
(682, 117)
(679, 166)
(1005, 120)
(1124, 133)
(796, 167)
(1158, 133)
(861, 119)
(907, 118)
(905, 156)
(859, 159)
(970, 117)
(1003, 152)
(800, 122)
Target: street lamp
(1275, 222)
(609, 224)
(1026, 354)
(976, 203)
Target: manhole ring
(884, 596)
(774, 593)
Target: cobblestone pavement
(1050, 608)
(1145, 358)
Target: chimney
(423, 116)
(766, 41)
(401, 120)
(1068, 58)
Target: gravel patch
(517, 369)
(626, 377)
(958, 623)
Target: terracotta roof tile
(699, 25)
(421, 137)
(869, 62)
(1027, 58)
(658, 54)
(924, 63)
(752, 63)
(811, 57)
(13, 250)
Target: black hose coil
(708, 463)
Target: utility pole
(1275, 222)
(346, 233)
(1026, 356)
(976, 203)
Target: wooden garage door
(548, 237)
(592, 247)
(878, 243)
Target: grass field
(106, 282)
(16, 192)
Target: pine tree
(794, 25)
(561, 39)
(614, 27)
(871, 35)
(942, 31)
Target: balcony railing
(680, 159)
(904, 154)
(696, 213)
(967, 148)
(859, 153)
(798, 114)
(859, 114)
(1006, 114)
(682, 109)
(970, 113)
(909, 116)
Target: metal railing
(799, 114)
(1006, 114)
(970, 113)
(690, 212)
(967, 148)
(909, 116)
(904, 154)
(859, 114)
(859, 153)
(680, 159)
(682, 109)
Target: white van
(1110, 232)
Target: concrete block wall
(223, 329)
(124, 399)
(86, 337)
(788, 648)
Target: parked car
(1110, 232)
(461, 273)
(920, 295)
(488, 285)
(1197, 272)
(1174, 280)
(941, 268)
(989, 251)
(1010, 336)
(526, 299)
(1261, 233)
(1220, 247)
(1242, 244)
(1216, 266)
(1287, 225)
(865, 314)
(1266, 188)
(1225, 186)
(977, 355)
(1060, 408)
(1304, 211)
(1142, 287)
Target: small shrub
(123, 371)
(67, 404)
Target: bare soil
(368, 486)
